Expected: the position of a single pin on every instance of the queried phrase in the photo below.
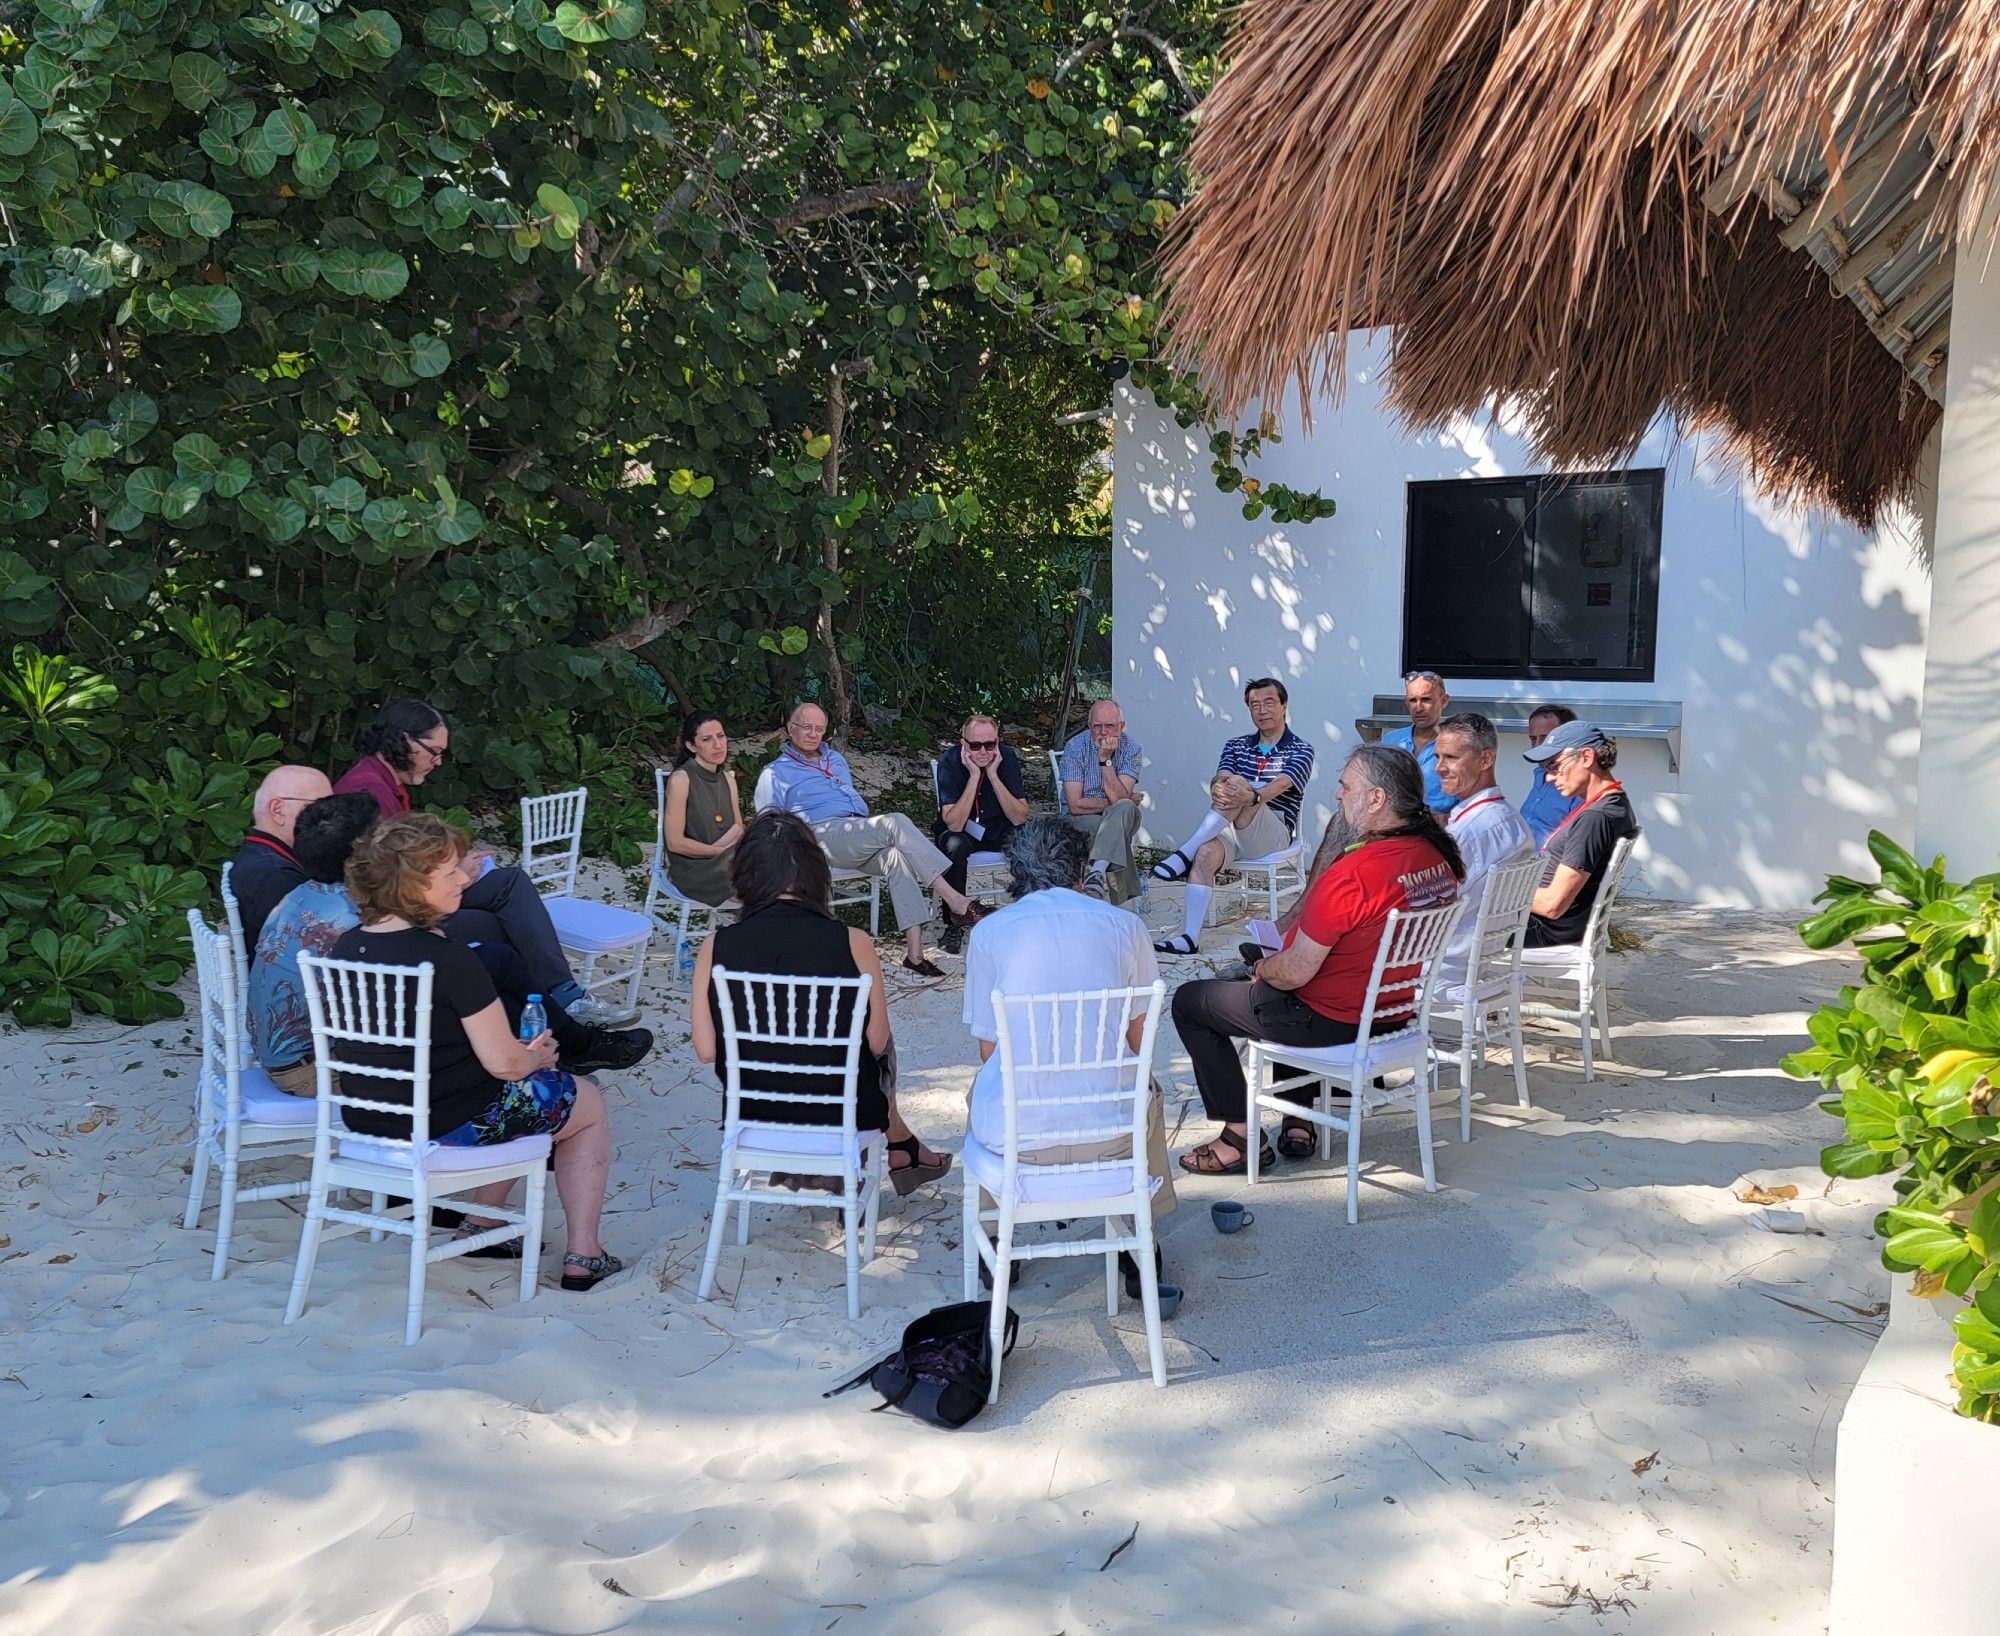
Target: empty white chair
(1283, 871)
(672, 909)
(551, 842)
(1583, 967)
(1492, 984)
(858, 886)
(352, 1003)
(1065, 1058)
(830, 1015)
(1399, 984)
(239, 1115)
(983, 862)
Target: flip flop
(1165, 870)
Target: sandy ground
(1576, 1388)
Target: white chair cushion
(582, 924)
(1110, 1181)
(1559, 956)
(264, 1104)
(850, 874)
(986, 860)
(1270, 860)
(523, 1150)
(752, 1142)
(1387, 1051)
(1452, 999)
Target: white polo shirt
(1053, 942)
(1489, 833)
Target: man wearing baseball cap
(1578, 758)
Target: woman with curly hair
(486, 1086)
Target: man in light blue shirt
(1426, 700)
(1546, 806)
(812, 779)
(1100, 786)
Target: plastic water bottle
(684, 962)
(534, 1019)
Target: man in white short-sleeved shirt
(1483, 822)
(1054, 939)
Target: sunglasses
(979, 743)
(1423, 676)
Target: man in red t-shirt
(1312, 990)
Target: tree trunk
(840, 705)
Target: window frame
(1651, 480)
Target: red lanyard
(823, 766)
(1265, 757)
(1473, 806)
(1581, 805)
(278, 847)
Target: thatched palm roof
(1739, 210)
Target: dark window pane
(1529, 577)
(1467, 576)
(1594, 546)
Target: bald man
(264, 869)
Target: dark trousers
(1542, 935)
(510, 977)
(1213, 1015)
(503, 906)
(959, 848)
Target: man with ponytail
(1311, 991)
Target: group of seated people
(348, 870)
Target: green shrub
(1912, 1053)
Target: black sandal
(1298, 1138)
(507, 1249)
(908, 1178)
(1206, 1163)
(581, 1272)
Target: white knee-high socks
(1197, 909)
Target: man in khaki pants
(813, 780)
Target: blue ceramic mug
(1229, 1216)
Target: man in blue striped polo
(1254, 801)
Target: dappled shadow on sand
(1578, 1376)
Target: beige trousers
(889, 846)
(1263, 835)
(301, 1079)
(1111, 833)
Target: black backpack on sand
(944, 1369)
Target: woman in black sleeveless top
(787, 929)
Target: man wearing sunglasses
(982, 799)
(1426, 700)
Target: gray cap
(1572, 735)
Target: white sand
(1425, 1423)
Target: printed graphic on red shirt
(1346, 909)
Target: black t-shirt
(1585, 841)
(460, 988)
(953, 776)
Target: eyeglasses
(979, 743)
(1422, 676)
(434, 751)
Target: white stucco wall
(1794, 642)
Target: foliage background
(1912, 1057)
(566, 365)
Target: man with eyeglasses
(813, 780)
(1255, 797)
(264, 869)
(1545, 806)
(982, 799)
(1580, 759)
(1425, 698)
(1100, 783)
